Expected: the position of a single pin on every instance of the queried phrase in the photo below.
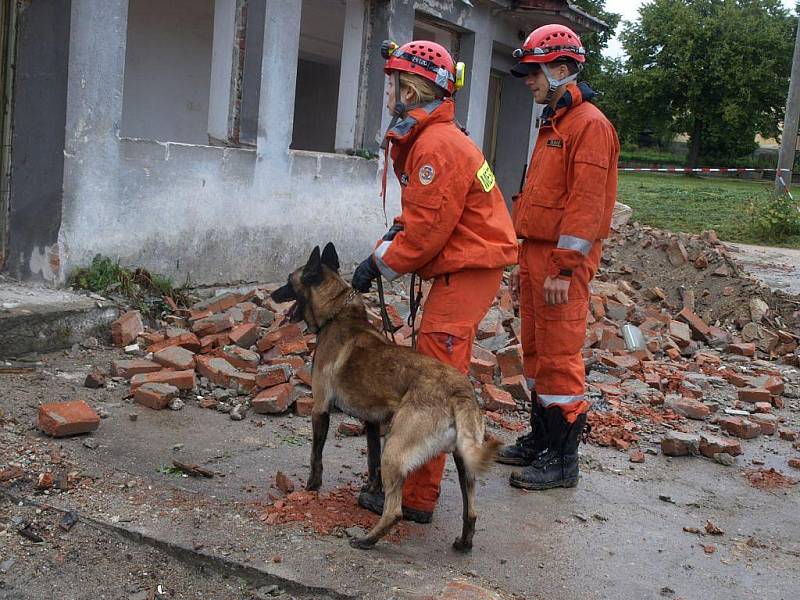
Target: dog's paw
(362, 543)
(460, 546)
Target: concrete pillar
(98, 35)
(390, 19)
(476, 51)
(276, 99)
(219, 99)
(349, 75)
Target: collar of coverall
(575, 94)
(438, 111)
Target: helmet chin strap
(554, 83)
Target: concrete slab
(35, 318)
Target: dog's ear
(312, 272)
(329, 257)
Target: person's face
(406, 95)
(537, 82)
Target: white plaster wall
(168, 70)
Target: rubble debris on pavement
(685, 354)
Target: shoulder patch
(486, 177)
(426, 174)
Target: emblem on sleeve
(486, 177)
(426, 174)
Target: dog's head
(312, 287)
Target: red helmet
(427, 59)
(546, 44)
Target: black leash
(388, 328)
(414, 301)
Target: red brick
(95, 379)
(127, 368)
(482, 370)
(270, 376)
(763, 407)
(241, 358)
(155, 395)
(794, 463)
(777, 401)
(208, 403)
(127, 328)
(288, 332)
(60, 419)
(273, 400)
(497, 400)
(152, 337)
(244, 335)
(218, 303)
(625, 361)
(610, 340)
(677, 443)
(295, 362)
(714, 444)
(767, 422)
(754, 395)
(775, 385)
(213, 324)
(176, 358)
(197, 314)
(283, 483)
(221, 372)
(510, 361)
(787, 434)
(598, 307)
(637, 456)
(700, 330)
(350, 428)
(517, 386)
(183, 380)
(690, 408)
(740, 427)
(184, 340)
(211, 342)
(287, 347)
(304, 375)
(304, 405)
(680, 333)
(742, 349)
(483, 354)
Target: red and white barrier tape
(700, 170)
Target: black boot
(528, 446)
(373, 501)
(558, 466)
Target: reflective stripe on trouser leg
(450, 318)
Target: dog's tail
(477, 450)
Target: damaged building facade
(219, 140)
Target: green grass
(692, 204)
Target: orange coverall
(562, 215)
(456, 231)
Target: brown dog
(431, 406)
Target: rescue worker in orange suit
(562, 215)
(454, 229)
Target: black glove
(364, 274)
(393, 231)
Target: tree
(715, 69)
(596, 42)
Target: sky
(629, 9)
